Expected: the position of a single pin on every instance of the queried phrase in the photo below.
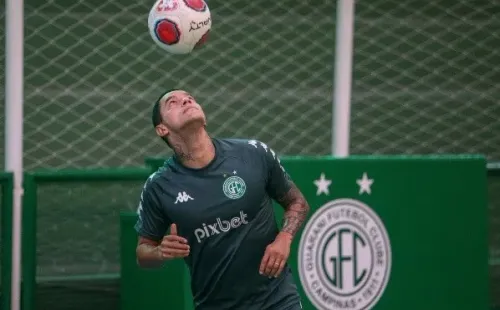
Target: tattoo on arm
(296, 209)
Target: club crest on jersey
(234, 187)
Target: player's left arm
(283, 190)
(296, 210)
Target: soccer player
(214, 197)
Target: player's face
(179, 110)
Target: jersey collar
(179, 165)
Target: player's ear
(161, 130)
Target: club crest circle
(234, 187)
(344, 256)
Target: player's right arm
(153, 247)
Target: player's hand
(173, 245)
(276, 256)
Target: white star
(234, 171)
(322, 185)
(365, 184)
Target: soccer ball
(179, 26)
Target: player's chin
(194, 120)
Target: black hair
(156, 117)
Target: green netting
(93, 72)
(423, 77)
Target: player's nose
(186, 101)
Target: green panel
(494, 237)
(29, 246)
(164, 288)
(6, 184)
(71, 254)
(154, 162)
(434, 211)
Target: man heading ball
(214, 196)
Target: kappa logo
(220, 226)
(182, 197)
(344, 256)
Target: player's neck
(194, 149)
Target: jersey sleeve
(278, 182)
(152, 222)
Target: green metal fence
(6, 184)
(71, 236)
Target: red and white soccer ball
(179, 26)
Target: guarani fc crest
(344, 256)
(234, 187)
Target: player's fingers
(275, 267)
(263, 263)
(174, 256)
(280, 268)
(176, 245)
(270, 266)
(173, 229)
(169, 253)
(174, 238)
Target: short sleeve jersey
(225, 212)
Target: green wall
(420, 234)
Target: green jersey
(225, 212)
